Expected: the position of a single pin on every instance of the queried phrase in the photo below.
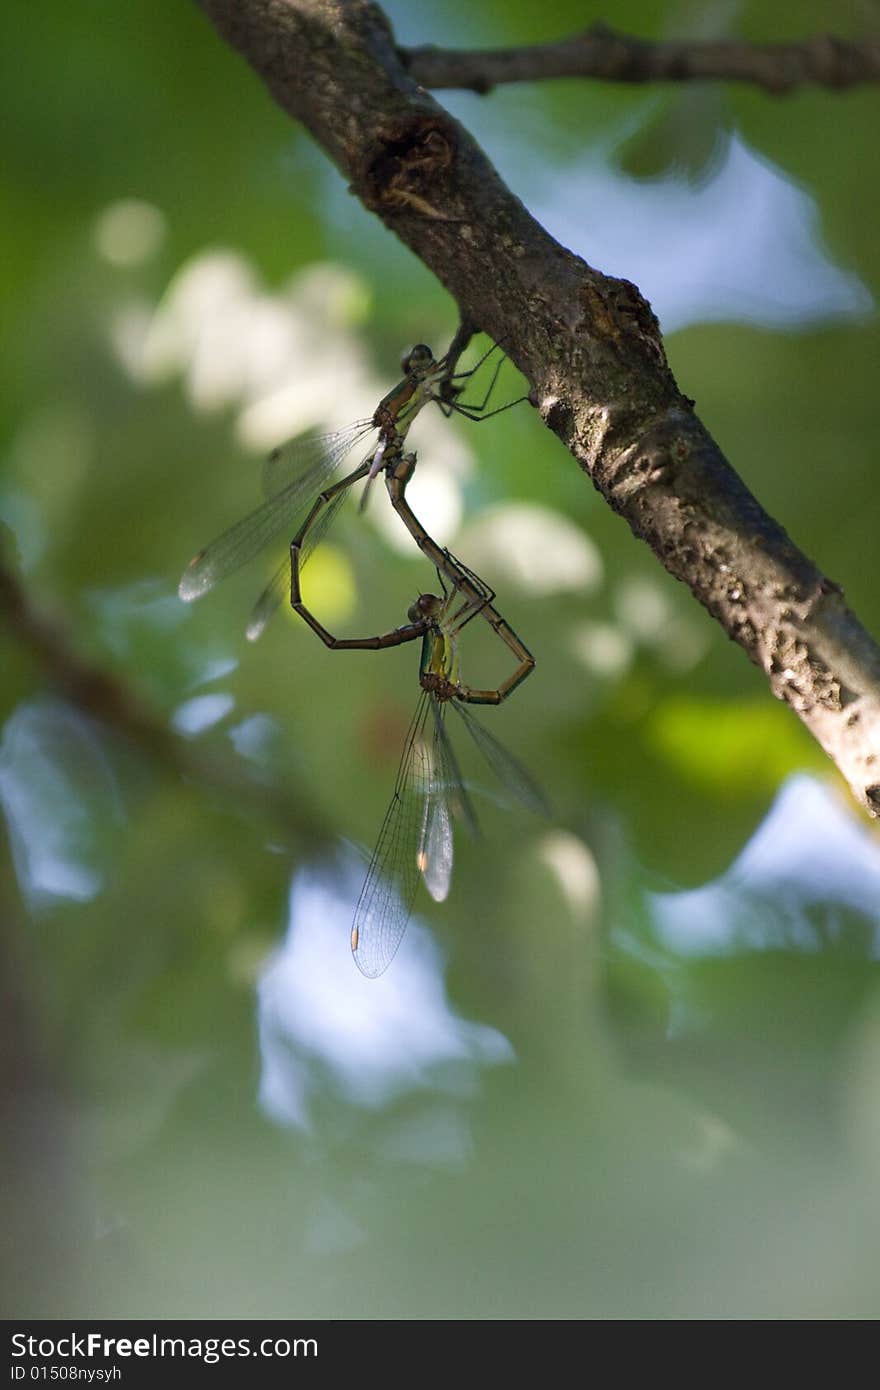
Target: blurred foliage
(683, 1133)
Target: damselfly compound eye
(418, 357)
(425, 606)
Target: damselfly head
(416, 359)
(426, 607)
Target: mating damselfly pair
(416, 835)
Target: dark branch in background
(36, 1120)
(107, 699)
(603, 53)
(589, 345)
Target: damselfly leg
(474, 410)
(476, 595)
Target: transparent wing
(385, 904)
(446, 797)
(435, 854)
(508, 769)
(317, 460)
(277, 591)
(319, 529)
(286, 463)
(435, 851)
(269, 602)
(447, 773)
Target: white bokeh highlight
(322, 1024)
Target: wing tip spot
(192, 584)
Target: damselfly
(296, 472)
(416, 839)
(477, 595)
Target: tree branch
(589, 345)
(107, 699)
(603, 53)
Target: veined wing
(446, 798)
(278, 588)
(508, 769)
(269, 602)
(435, 850)
(247, 537)
(286, 463)
(385, 904)
(449, 772)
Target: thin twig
(603, 53)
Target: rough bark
(589, 345)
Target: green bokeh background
(624, 1165)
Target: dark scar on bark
(408, 162)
